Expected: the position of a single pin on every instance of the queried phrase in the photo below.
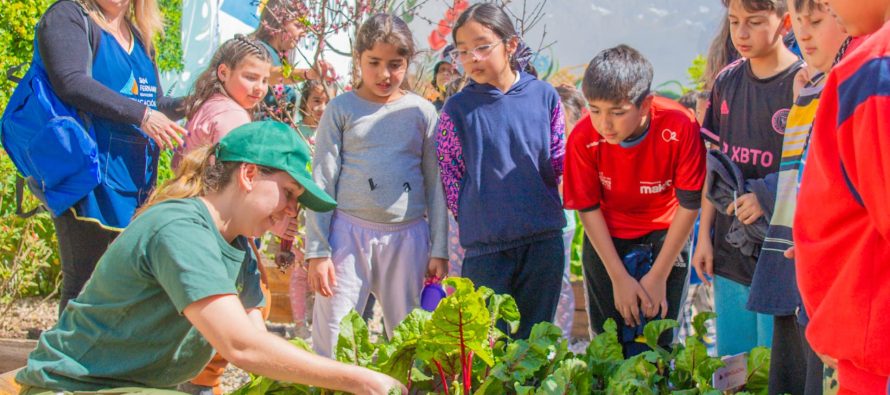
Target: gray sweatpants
(388, 260)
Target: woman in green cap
(149, 318)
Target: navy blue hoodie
(501, 156)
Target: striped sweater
(773, 288)
(842, 224)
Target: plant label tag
(733, 375)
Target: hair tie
(523, 56)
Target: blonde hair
(198, 174)
(144, 14)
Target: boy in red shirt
(634, 170)
(842, 223)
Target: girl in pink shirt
(226, 93)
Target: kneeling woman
(181, 281)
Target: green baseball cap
(273, 144)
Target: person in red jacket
(634, 171)
(842, 224)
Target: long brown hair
(144, 14)
(231, 54)
(383, 28)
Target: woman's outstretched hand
(166, 133)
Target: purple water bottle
(431, 294)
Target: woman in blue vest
(118, 89)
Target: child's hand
(746, 208)
(789, 253)
(828, 360)
(656, 288)
(437, 267)
(322, 278)
(703, 260)
(323, 71)
(629, 296)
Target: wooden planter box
(580, 325)
(14, 353)
(279, 284)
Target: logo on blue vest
(131, 88)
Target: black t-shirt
(746, 119)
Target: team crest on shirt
(669, 135)
(606, 181)
(780, 120)
(654, 187)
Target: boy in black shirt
(750, 102)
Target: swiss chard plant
(461, 349)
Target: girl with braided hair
(226, 93)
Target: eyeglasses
(481, 52)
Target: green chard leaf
(653, 330)
(758, 370)
(503, 307)
(396, 358)
(460, 323)
(571, 377)
(354, 342)
(699, 324)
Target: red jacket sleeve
(863, 149)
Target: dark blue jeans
(531, 273)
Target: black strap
(19, 197)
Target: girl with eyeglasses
(501, 147)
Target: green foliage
(758, 371)
(354, 342)
(696, 72)
(17, 23)
(432, 353)
(169, 45)
(577, 247)
(30, 259)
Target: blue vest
(128, 159)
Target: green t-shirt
(126, 328)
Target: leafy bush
(17, 22)
(30, 260)
(458, 350)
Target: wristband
(147, 115)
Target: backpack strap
(20, 182)
(19, 197)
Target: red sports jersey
(842, 223)
(635, 186)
